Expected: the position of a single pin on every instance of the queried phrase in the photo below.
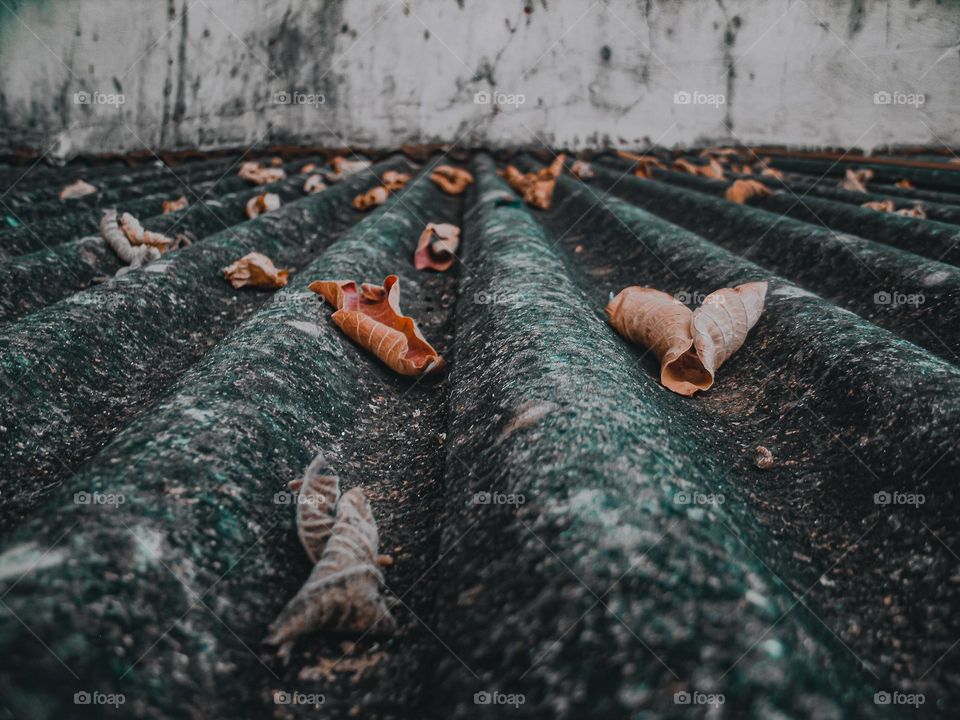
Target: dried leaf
(582, 170)
(255, 270)
(394, 181)
(917, 211)
(856, 180)
(342, 593)
(712, 169)
(691, 346)
(314, 184)
(721, 152)
(536, 187)
(343, 168)
(77, 190)
(170, 206)
(138, 236)
(255, 173)
(276, 162)
(371, 198)
(308, 168)
(720, 325)
(437, 247)
(452, 180)
(740, 191)
(131, 256)
(263, 203)
(372, 319)
(318, 492)
(880, 205)
(771, 172)
(904, 184)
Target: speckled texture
(847, 409)
(847, 270)
(925, 178)
(573, 596)
(199, 474)
(76, 371)
(29, 282)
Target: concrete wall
(206, 73)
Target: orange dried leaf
(170, 206)
(740, 191)
(771, 172)
(452, 180)
(77, 189)
(856, 180)
(582, 170)
(136, 235)
(276, 162)
(904, 184)
(712, 169)
(263, 203)
(130, 255)
(371, 317)
(722, 152)
(255, 270)
(343, 167)
(916, 211)
(371, 198)
(314, 184)
(536, 188)
(880, 205)
(255, 173)
(437, 247)
(690, 345)
(308, 168)
(394, 181)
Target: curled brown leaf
(170, 206)
(880, 205)
(452, 180)
(371, 317)
(371, 198)
(255, 173)
(308, 168)
(740, 191)
(904, 184)
(437, 247)
(77, 189)
(317, 494)
(255, 270)
(856, 180)
(536, 188)
(582, 170)
(712, 169)
(132, 256)
(394, 181)
(691, 346)
(917, 211)
(138, 236)
(342, 593)
(314, 184)
(343, 168)
(263, 203)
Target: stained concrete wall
(211, 73)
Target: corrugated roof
(567, 536)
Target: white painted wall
(202, 73)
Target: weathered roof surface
(564, 530)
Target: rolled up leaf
(255, 270)
(371, 198)
(133, 256)
(314, 184)
(138, 236)
(255, 173)
(372, 319)
(343, 168)
(318, 492)
(452, 180)
(342, 593)
(742, 190)
(661, 323)
(437, 247)
(394, 181)
(263, 203)
(720, 325)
